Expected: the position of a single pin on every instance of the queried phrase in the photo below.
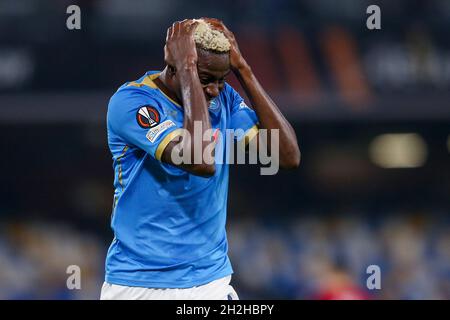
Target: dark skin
(212, 68)
(194, 76)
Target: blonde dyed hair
(208, 38)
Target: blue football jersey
(169, 225)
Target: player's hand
(236, 59)
(180, 49)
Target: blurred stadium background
(371, 110)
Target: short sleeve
(140, 120)
(242, 116)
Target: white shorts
(219, 289)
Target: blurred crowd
(304, 257)
(327, 257)
(35, 256)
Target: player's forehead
(213, 64)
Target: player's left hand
(237, 61)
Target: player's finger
(169, 33)
(167, 56)
(186, 22)
(191, 22)
(176, 28)
(166, 53)
(214, 21)
(217, 25)
(190, 26)
(209, 19)
(173, 30)
(183, 25)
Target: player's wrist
(189, 64)
(188, 75)
(242, 68)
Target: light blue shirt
(169, 225)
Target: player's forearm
(270, 117)
(194, 102)
(196, 116)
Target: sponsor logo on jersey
(155, 132)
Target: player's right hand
(180, 50)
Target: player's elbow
(291, 160)
(204, 170)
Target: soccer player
(169, 217)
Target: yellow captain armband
(250, 134)
(167, 139)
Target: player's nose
(212, 91)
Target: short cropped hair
(210, 39)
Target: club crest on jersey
(147, 117)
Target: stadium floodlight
(398, 150)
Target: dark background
(304, 234)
